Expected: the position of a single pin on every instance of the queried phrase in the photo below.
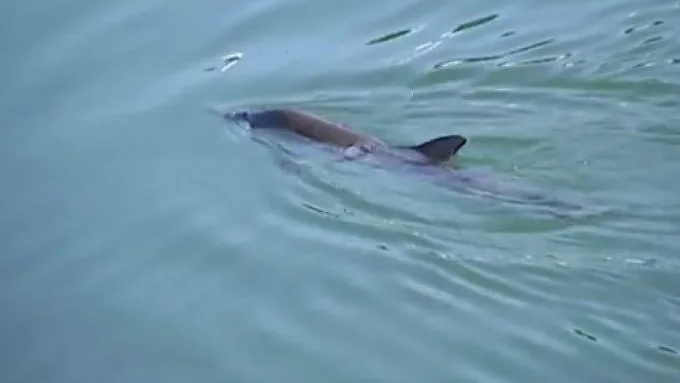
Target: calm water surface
(144, 240)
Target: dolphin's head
(263, 119)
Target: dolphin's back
(304, 124)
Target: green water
(144, 240)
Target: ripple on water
(481, 289)
(565, 52)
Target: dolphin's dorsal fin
(441, 149)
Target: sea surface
(145, 239)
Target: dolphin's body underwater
(427, 159)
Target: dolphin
(428, 159)
(352, 143)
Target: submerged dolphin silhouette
(427, 158)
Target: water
(144, 240)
